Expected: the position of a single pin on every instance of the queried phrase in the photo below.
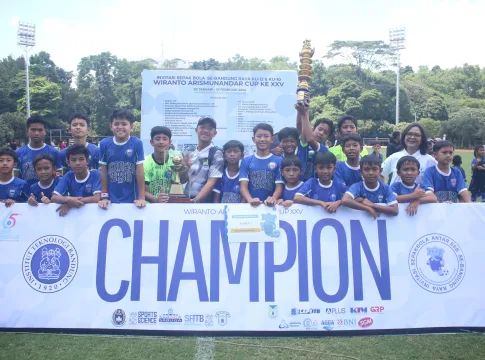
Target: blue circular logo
(50, 264)
(437, 263)
(118, 318)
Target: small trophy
(176, 194)
(304, 74)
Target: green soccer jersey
(159, 176)
(339, 153)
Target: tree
(332, 113)
(318, 81)
(371, 104)
(436, 108)
(352, 107)
(432, 127)
(45, 100)
(401, 126)
(16, 124)
(210, 64)
(362, 56)
(367, 127)
(385, 128)
(316, 106)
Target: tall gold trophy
(303, 90)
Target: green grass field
(61, 347)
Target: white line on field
(205, 349)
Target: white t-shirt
(389, 165)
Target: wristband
(104, 196)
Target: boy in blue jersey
(260, 176)
(227, 189)
(121, 160)
(324, 191)
(79, 127)
(291, 171)
(447, 183)
(348, 171)
(12, 189)
(45, 169)
(371, 190)
(36, 128)
(79, 186)
(406, 189)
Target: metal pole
(27, 83)
(397, 88)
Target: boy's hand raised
(31, 201)
(140, 203)
(418, 192)
(45, 199)
(103, 204)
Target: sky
(445, 33)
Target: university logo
(50, 264)
(437, 263)
(222, 317)
(133, 318)
(129, 152)
(119, 318)
(209, 320)
(273, 311)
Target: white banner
(170, 267)
(237, 100)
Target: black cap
(207, 120)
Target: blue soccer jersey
(37, 189)
(69, 185)
(313, 189)
(26, 157)
(382, 194)
(229, 188)
(14, 189)
(289, 193)
(262, 174)
(446, 187)
(346, 174)
(93, 156)
(306, 154)
(121, 160)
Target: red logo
(377, 309)
(365, 322)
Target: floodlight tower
(26, 40)
(397, 38)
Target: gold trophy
(176, 194)
(304, 74)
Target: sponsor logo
(170, 318)
(296, 311)
(209, 320)
(272, 311)
(222, 317)
(335, 310)
(365, 322)
(8, 222)
(437, 263)
(358, 310)
(50, 264)
(119, 318)
(347, 322)
(193, 319)
(327, 325)
(377, 309)
(283, 325)
(294, 324)
(143, 317)
(310, 324)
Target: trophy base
(180, 199)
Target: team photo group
(296, 165)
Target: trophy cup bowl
(176, 194)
